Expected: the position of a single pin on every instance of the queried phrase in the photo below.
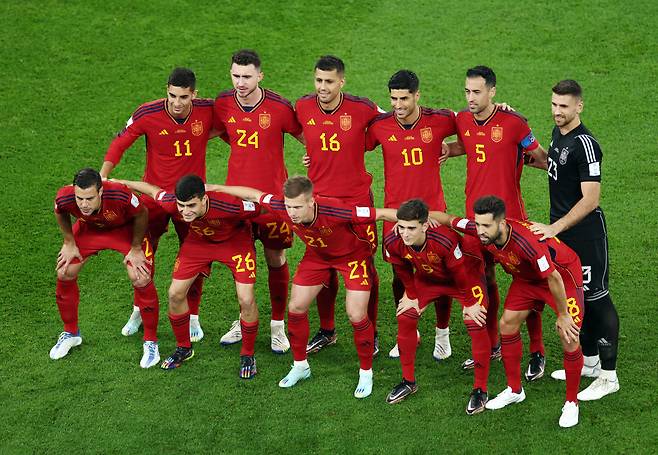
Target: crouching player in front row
(218, 232)
(431, 265)
(109, 217)
(328, 227)
(543, 272)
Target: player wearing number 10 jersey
(177, 129)
(411, 138)
(253, 121)
(334, 126)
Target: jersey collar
(488, 119)
(255, 106)
(173, 119)
(413, 125)
(333, 111)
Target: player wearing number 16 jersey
(253, 121)
(176, 129)
(219, 232)
(334, 126)
(411, 138)
(497, 143)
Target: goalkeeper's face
(179, 101)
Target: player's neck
(569, 127)
(502, 239)
(420, 243)
(485, 113)
(333, 104)
(253, 98)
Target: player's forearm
(455, 148)
(386, 215)
(442, 217)
(538, 158)
(140, 225)
(142, 187)
(556, 286)
(66, 228)
(242, 192)
(106, 168)
(586, 205)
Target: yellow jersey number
(332, 144)
(413, 157)
(179, 150)
(481, 155)
(251, 139)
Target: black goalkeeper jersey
(574, 158)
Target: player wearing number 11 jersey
(253, 121)
(176, 129)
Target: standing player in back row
(334, 125)
(497, 143)
(411, 138)
(177, 130)
(574, 177)
(253, 121)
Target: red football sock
(180, 323)
(573, 364)
(373, 302)
(364, 340)
(408, 342)
(194, 295)
(67, 296)
(278, 279)
(298, 331)
(492, 313)
(535, 332)
(443, 307)
(249, 332)
(327, 303)
(146, 299)
(481, 353)
(512, 351)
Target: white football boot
(569, 417)
(442, 348)
(132, 326)
(151, 354)
(504, 398)
(65, 342)
(234, 334)
(279, 343)
(196, 332)
(364, 387)
(300, 370)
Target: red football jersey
(411, 156)
(118, 206)
(256, 139)
(525, 257)
(173, 148)
(336, 144)
(495, 149)
(332, 234)
(439, 260)
(225, 218)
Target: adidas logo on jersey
(163, 133)
(392, 138)
(467, 133)
(252, 275)
(231, 120)
(311, 122)
(364, 282)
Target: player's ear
(261, 75)
(194, 94)
(492, 92)
(579, 106)
(417, 95)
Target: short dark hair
(189, 187)
(404, 80)
(484, 72)
(87, 177)
(245, 57)
(413, 210)
(490, 204)
(330, 63)
(182, 77)
(296, 186)
(568, 87)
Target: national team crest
(345, 122)
(197, 128)
(433, 257)
(264, 121)
(513, 259)
(325, 231)
(214, 222)
(564, 154)
(426, 135)
(496, 133)
(110, 215)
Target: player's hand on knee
(567, 328)
(406, 304)
(477, 313)
(66, 255)
(137, 260)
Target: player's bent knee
(66, 275)
(141, 282)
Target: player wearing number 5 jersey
(219, 232)
(334, 126)
(543, 272)
(411, 137)
(254, 121)
(334, 245)
(109, 217)
(176, 129)
(497, 143)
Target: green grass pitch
(73, 72)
